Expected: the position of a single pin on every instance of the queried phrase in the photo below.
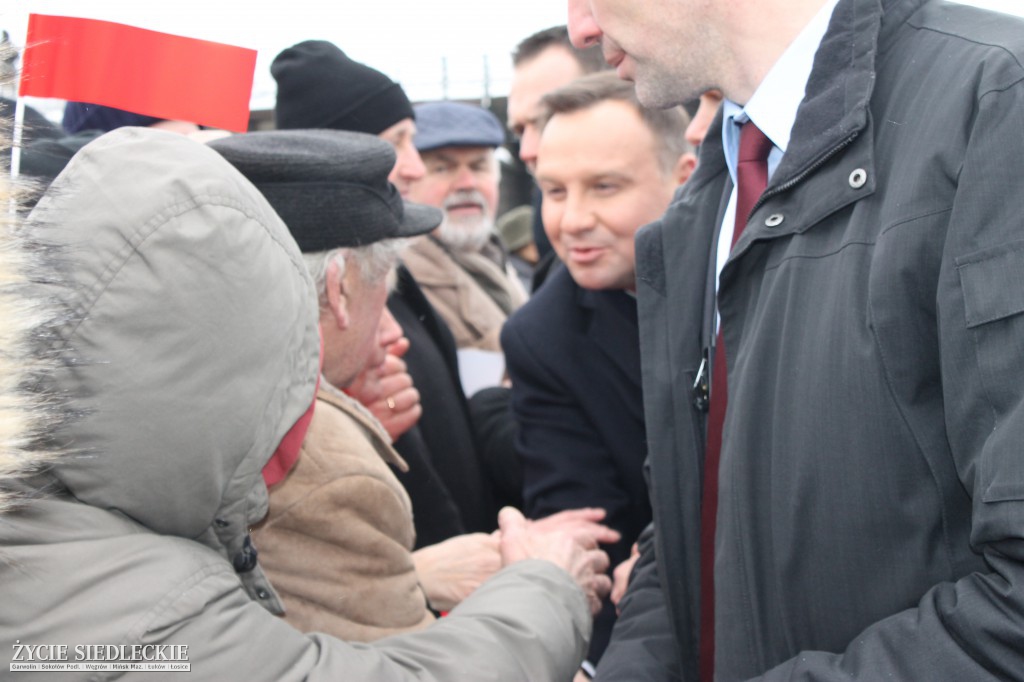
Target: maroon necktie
(751, 180)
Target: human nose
(409, 165)
(528, 144)
(577, 215)
(701, 121)
(465, 179)
(583, 29)
(388, 331)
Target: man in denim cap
(461, 266)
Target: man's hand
(582, 524)
(388, 393)
(449, 571)
(522, 539)
(621, 576)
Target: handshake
(449, 571)
(568, 539)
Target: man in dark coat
(542, 62)
(607, 167)
(870, 495)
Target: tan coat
(474, 318)
(337, 541)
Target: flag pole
(19, 125)
(17, 132)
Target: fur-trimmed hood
(189, 344)
(21, 410)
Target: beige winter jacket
(337, 543)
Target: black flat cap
(330, 187)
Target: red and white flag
(142, 71)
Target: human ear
(684, 167)
(337, 297)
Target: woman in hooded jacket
(187, 346)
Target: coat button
(858, 177)
(774, 220)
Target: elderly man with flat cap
(320, 87)
(461, 266)
(338, 539)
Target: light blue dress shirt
(772, 108)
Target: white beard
(465, 233)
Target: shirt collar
(773, 105)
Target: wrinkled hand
(521, 539)
(621, 576)
(582, 524)
(390, 380)
(449, 571)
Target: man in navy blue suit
(606, 167)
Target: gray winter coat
(871, 511)
(191, 347)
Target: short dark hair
(667, 125)
(590, 60)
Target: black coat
(870, 521)
(574, 359)
(444, 429)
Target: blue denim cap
(454, 124)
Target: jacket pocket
(993, 283)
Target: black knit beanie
(318, 86)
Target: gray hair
(373, 261)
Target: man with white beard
(461, 266)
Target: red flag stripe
(143, 71)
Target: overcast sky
(410, 40)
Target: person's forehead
(624, 116)
(568, 143)
(459, 154)
(406, 128)
(549, 70)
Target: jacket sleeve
(565, 463)
(643, 647)
(496, 428)
(434, 512)
(529, 622)
(970, 629)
